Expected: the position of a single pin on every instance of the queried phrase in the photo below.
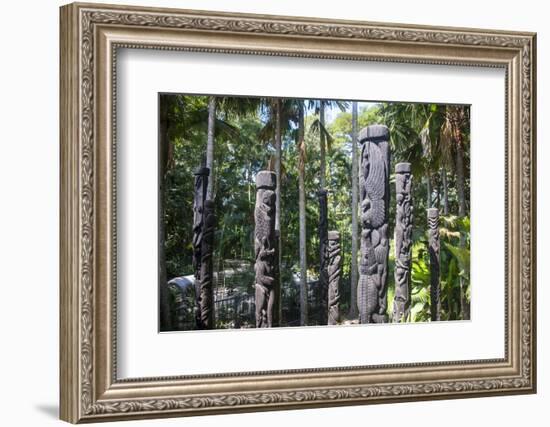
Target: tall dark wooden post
(201, 185)
(434, 247)
(265, 248)
(206, 289)
(334, 270)
(403, 242)
(323, 273)
(374, 196)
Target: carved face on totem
(267, 202)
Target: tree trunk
(210, 146)
(460, 179)
(278, 137)
(354, 224)
(278, 310)
(302, 215)
(436, 183)
(445, 192)
(165, 317)
(323, 220)
(428, 191)
(464, 305)
(322, 169)
(323, 264)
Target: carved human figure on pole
(403, 242)
(323, 273)
(374, 206)
(206, 289)
(434, 248)
(334, 267)
(265, 248)
(200, 187)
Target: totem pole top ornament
(266, 180)
(202, 170)
(403, 167)
(334, 235)
(374, 133)
(433, 213)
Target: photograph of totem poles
(280, 212)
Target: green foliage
(420, 278)
(455, 264)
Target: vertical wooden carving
(403, 242)
(206, 289)
(201, 185)
(434, 247)
(265, 248)
(323, 273)
(334, 261)
(375, 194)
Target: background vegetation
(311, 141)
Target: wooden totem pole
(204, 222)
(403, 242)
(434, 247)
(265, 245)
(334, 267)
(374, 206)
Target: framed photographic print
(268, 212)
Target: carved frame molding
(90, 36)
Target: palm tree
(280, 113)
(166, 106)
(278, 148)
(210, 144)
(302, 214)
(445, 186)
(453, 134)
(325, 138)
(411, 131)
(442, 130)
(322, 170)
(226, 107)
(180, 117)
(354, 202)
(278, 119)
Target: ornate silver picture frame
(91, 35)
